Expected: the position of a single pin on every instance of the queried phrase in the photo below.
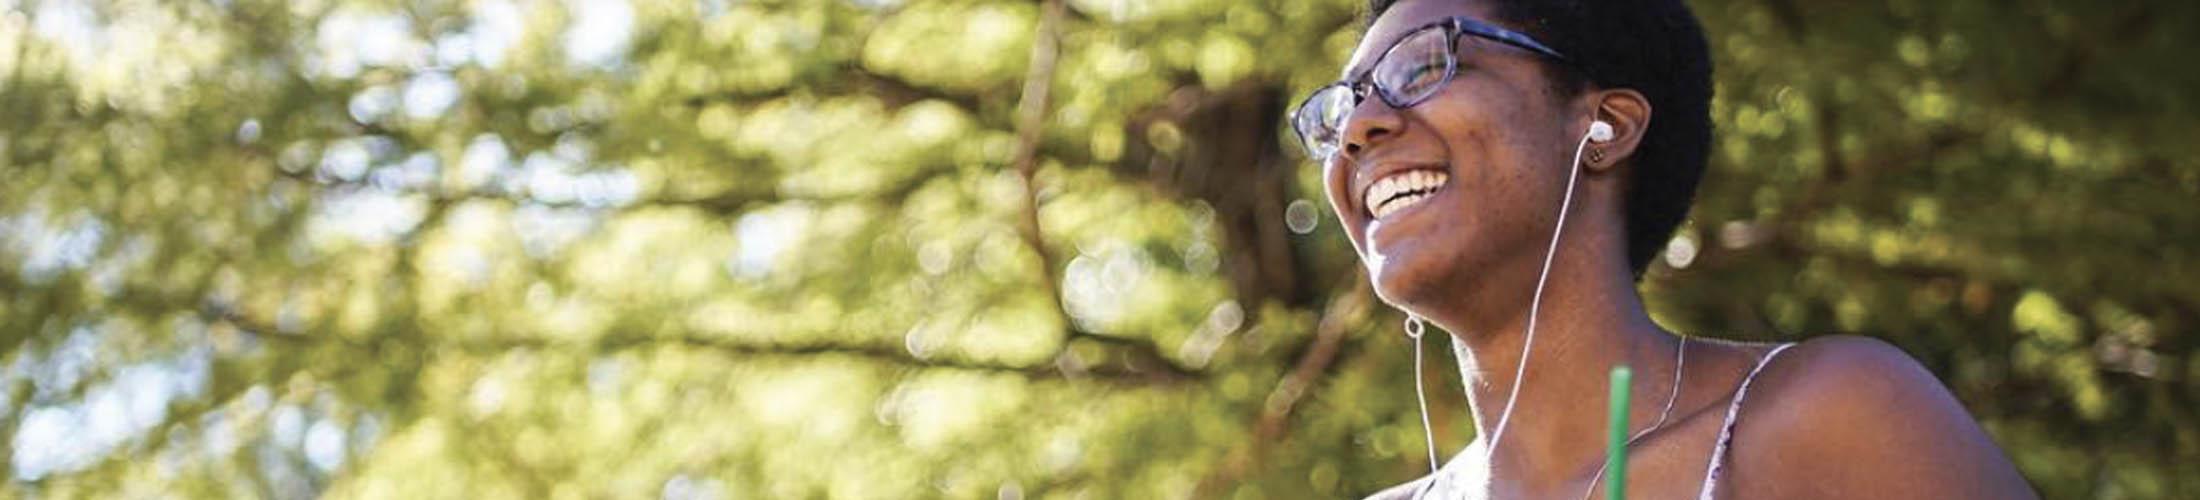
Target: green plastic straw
(1615, 450)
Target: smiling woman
(1497, 124)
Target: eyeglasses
(1413, 69)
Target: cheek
(1503, 169)
(1336, 179)
(1513, 178)
(1333, 186)
(1489, 139)
(1476, 145)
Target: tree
(880, 248)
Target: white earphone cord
(1428, 433)
(1413, 324)
(1535, 305)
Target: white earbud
(1600, 132)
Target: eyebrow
(1353, 73)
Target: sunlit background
(912, 248)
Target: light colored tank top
(1454, 482)
(1726, 430)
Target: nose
(1370, 123)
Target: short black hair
(1655, 47)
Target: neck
(1590, 321)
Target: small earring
(1413, 327)
(1596, 156)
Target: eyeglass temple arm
(1505, 36)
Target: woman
(1465, 133)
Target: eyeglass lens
(1409, 72)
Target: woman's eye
(1420, 76)
(1427, 72)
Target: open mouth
(1400, 190)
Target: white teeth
(1399, 204)
(1384, 196)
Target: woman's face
(1495, 143)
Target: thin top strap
(1726, 430)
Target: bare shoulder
(1853, 369)
(1847, 416)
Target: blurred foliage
(781, 249)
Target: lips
(1399, 190)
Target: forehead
(1403, 17)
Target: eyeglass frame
(1364, 84)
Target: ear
(1629, 114)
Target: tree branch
(853, 79)
(1030, 125)
(1141, 366)
(887, 354)
(728, 202)
(1345, 311)
(1031, 111)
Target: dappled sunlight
(719, 249)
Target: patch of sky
(349, 41)
(497, 27)
(762, 237)
(49, 247)
(429, 95)
(485, 158)
(73, 24)
(600, 32)
(369, 216)
(59, 434)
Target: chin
(1415, 277)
